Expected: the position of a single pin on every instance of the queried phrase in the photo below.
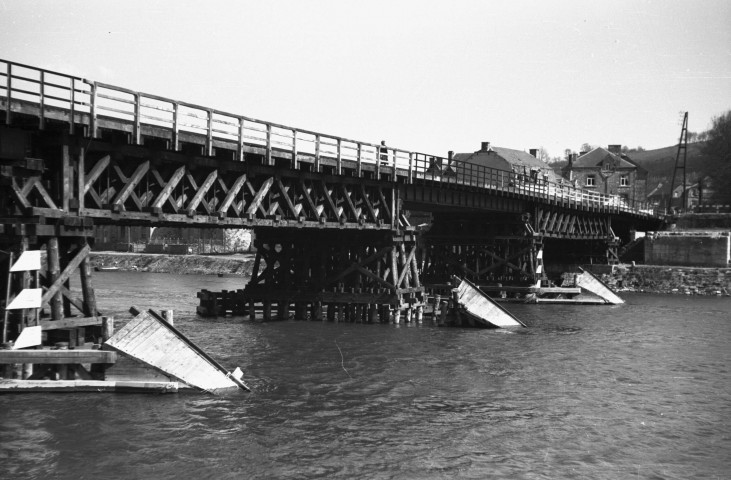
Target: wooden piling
(107, 328)
(54, 271)
(267, 311)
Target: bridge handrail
(98, 100)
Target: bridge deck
(92, 108)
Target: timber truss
(571, 224)
(355, 274)
(138, 185)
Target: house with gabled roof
(518, 164)
(608, 171)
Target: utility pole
(682, 146)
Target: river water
(641, 390)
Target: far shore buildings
(517, 163)
(608, 171)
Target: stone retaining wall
(663, 279)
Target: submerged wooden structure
(480, 309)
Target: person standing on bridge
(383, 153)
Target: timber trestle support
(342, 276)
(61, 248)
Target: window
(591, 181)
(624, 180)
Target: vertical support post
(295, 161)
(72, 106)
(42, 102)
(54, 270)
(359, 168)
(136, 129)
(87, 290)
(339, 169)
(269, 145)
(317, 153)
(80, 177)
(66, 176)
(107, 328)
(411, 167)
(9, 76)
(209, 135)
(176, 127)
(241, 139)
(7, 297)
(93, 111)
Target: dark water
(641, 390)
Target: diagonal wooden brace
(198, 197)
(66, 274)
(128, 189)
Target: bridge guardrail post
(136, 127)
(269, 144)
(9, 76)
(92, 111)
(241, 139)
(209, 135)
(317, 153)
(42, 101)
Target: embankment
(664, 279)
(239, 264)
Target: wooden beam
(349, 202)
(367, 202)
(231, 195)
(168, 187)
(287, 200)
(259, 197)
(329, 200)
(57, 356)
(66, 274)
(96, 386)
(196, 200)
(132, 183)
(18, 194)
(316, 211)
(95, 172)
(70, 323)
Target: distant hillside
(660, 162)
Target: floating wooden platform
(28, 386)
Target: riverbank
(237, 264)
(622, 278)
(665, 279)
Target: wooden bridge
(331, 214)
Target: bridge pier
(351, 274)
(63, 246)
(499, 252)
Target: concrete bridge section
(331, 214)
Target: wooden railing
(91, 104)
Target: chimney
(572, 159)
(616, 149)
(450, 155)
(534, 152)
(485, 147)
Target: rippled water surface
(641, 390)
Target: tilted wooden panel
(151, 341)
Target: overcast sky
(423, 75)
